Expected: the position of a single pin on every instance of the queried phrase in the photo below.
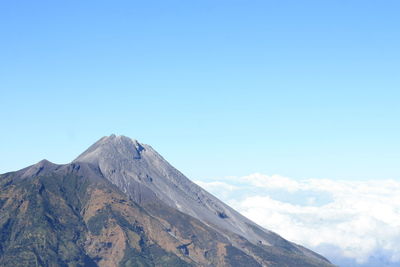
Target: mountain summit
(120, 203)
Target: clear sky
(219, 88)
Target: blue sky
(251, 99)
(219, 88)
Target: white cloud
(343, 220)
(272, 182)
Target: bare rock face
(138, 170)
(121, 204)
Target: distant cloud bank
(353, 223)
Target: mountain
(121, 204)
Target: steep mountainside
(121, 204)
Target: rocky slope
(121, 204)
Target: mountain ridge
(145, 184)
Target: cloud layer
(353, 223)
